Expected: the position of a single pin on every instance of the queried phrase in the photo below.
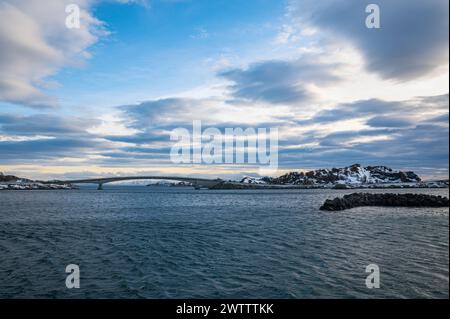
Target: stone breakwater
(393, 200)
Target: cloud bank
(412, 41)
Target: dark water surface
(138, 242)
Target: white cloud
(35, 43)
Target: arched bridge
(196, 182)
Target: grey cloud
(157, 113)
(28, 151)
(413, 144)
(413, 148)
(43, 124)
(439, 119)
(410, 144)
(340, 138)
(393, 114)
(155, 119)
(140, 138)
(64, 137)
(353, 110)
(412, 40)
(385, 121)
(436, 102)
(280, 82)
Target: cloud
(418, 148)
(281, 82)
(155, 113)
(443, 119)
(393, 113)
(169, 113)
(49, 137)
(412, 41)
(27, 139)
(405, 134)
(385, 121)
(409, 134)
(44, 124)
(35, 43)
(45, 149)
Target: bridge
(196, 182)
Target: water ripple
(180, 243)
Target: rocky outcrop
(354, 176)
(7, 178)
(351, 175)
(393, 200)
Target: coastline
(35, 186)
(237, 186)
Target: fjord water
(155, 242)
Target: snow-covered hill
(351, 175)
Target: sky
(103, 99)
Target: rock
(352, 175)
(388, 199)
(8, 178)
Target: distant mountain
(351, 175)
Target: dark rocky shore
(393, 200)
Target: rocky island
(350, 177)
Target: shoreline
(35, 186)
(231, 186)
